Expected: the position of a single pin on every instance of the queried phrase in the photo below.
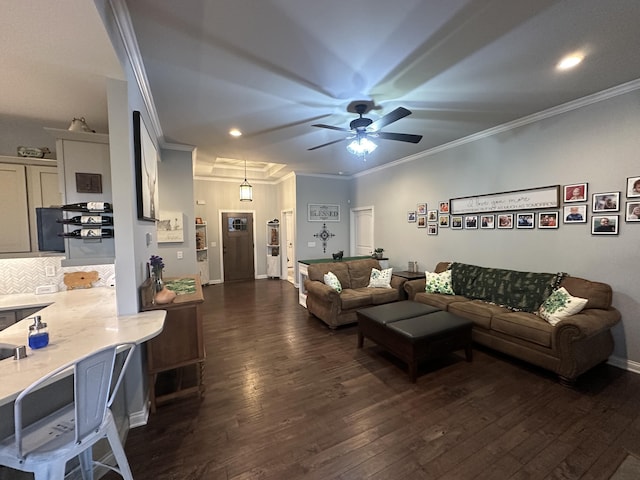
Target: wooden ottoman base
(418, 338)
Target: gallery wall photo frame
(632, 210)
(432, 215)
(604, 224)
(574, 214)
(443, 221)
(487, 221)
(471, 222)
(421, 208)
(505, 220)
(146, 159)
(456, 222)
(432, 229)
(323, 212)
(575, 192)
(606, 202)
(422, 221)
(528, 199)
(547, 220)
(411, 216)
(525, 220)
(633, 187)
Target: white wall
(321, 190)
(596, 143)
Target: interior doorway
(288, 241)
(362, 231)
(238, 246)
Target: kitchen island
(79, 322)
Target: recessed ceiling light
(234, 132)
(570, 61)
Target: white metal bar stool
(45, 446)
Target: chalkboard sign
(530, 199)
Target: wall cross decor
(324, 235)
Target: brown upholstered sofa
(337, 309)
(570, 348)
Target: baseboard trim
(139, 418)
(625, 364)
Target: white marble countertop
(16, 301)
(79, 322)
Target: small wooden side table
(180, 345)
(409, 275)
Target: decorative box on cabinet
(175, 358)
(273, 249)
(202, 252)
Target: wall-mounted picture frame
(421, 208)
(606, 202)
(633, 187)
(528, 199)
(432, 215)
(456, 222)
(443, 221)
(604, 224)
(199, 221)
(322, 212)
(574, 214)
(146, 159)
(548, 220)
(88, 182)
(422, 221)
(169, 228)
(487, 221)
(505, 220)
(471, 222)
(632, 210)
(525, 220)
(443, 207)
(576, 192)
(432, 229)
(411, 216)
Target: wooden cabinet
(25, 184)
(175, 358)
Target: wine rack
(92, 221)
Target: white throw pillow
(331, 280)
(438, 282)
(380, 278)
(559, 305)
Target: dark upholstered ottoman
(414, 338)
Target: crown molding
(505, 127)
(128, 36)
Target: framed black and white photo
(471, 222)
(422, 221)
(456, 222)
(411, 216)
(604, 224)
(632, 210)
(432, 229)
(547, 220)
(525, 220)
(633, 187)
(505, 220)
(606, 202)
(432, 216)
(146, 158)
(574, 214)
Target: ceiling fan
(362, 128)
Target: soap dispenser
(38, 333)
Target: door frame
(285, 235)
(352, 226)
(221, 249)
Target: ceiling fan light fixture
(246, 190)
(570, 61)
(361, 146)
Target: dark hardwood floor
(288, 398)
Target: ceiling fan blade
(390, 117)
(327, 144)
(331, 127)
(401, 137)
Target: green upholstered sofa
(337, 309)
(570, 348)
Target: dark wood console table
(178, 347)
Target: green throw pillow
(331, 280)
(438, 282)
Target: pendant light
(246, 190)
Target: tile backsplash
(23, 275)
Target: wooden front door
(237, 246)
